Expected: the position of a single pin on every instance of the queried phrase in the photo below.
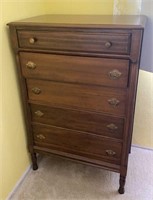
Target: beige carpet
(59, 179)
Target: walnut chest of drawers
(78, 78)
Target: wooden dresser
(78, 78)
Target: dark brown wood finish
(95, 71)
(78, 142)
(78, 78)
(95, 123)
(85, 97)
(82, 42)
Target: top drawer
(78, 41)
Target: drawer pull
(115, 74)
(30, 65)
(41, 137)
(110, 153)
(113, 102)
(108, 45)
(39, 113)
(36, 90)
(32, 40)
(112, 127)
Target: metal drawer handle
(108, 44)
(112, 127)
(31, 65)
(36, 90)
(39, 113)
(110, 153)
(115, 74)
(113, 102)
(41, 137)
(32, 40)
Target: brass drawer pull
(113, 102)
(41, 137)
(108, 44)
(36, 90)
(30, 65)
(114, 74)
(112, 127)
(110, 153)
(39, 113)
(32, 40)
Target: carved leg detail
(122, 184)
(34, 161)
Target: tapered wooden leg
(34, 161)
(122, 184)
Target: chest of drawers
(78, 78)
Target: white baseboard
(138, 146)
(19, 183)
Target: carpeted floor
(60, 179)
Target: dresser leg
(129, 150)
(122, 184)
(34, 161)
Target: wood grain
(75, 69)
(95, 123)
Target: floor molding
(19, 182)
(145, 148)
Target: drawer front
(92, 98)
(98, 71)
(77, 41)
(82, 121)
(78, 142)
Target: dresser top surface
(95, 21)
